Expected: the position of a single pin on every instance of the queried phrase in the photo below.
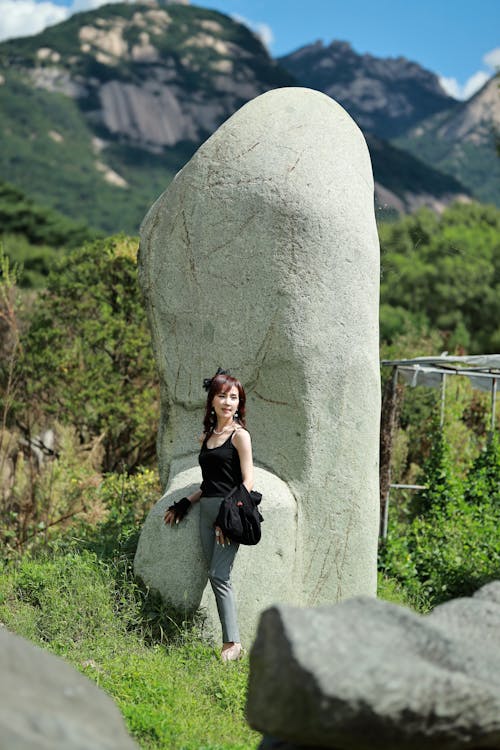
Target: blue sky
(459, 40)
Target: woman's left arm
(243, 444)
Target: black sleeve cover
(181, 508)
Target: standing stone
(262, 257)
(45, 704)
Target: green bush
(483, 485)
(87, 358)
(40, 501)
(73, 598)
(448, 545)
(442, 272)
(124, 502)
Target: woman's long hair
(220, 384)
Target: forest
(79, 411)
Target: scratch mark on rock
(247, 151)
(189, 248)
(295, 164)
(271, 400)
(238, 233)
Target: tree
(87, 356)
(444, 273)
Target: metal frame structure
(483, 372)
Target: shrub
(125, 501)
(483, 481)
(70, 598)
(87, 358)
(66, 503)
(450, 545)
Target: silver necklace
(219, 433)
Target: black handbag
(239, 517)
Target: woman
(226, 462)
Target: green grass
(174, 694)
(392, 591)
(171, 687)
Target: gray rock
(153, 114)
(469, 619)
(45, 704)
(186, 589)
(368, 675)
(262, 257)
(489, 592)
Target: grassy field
(171, 687)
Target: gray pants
(219, 561)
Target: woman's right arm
(195, 496)
(169, 516)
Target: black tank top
(220, 468)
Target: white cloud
(27, 17)
(451, 86)
(465, 90)
(492, 59)
(476, 81)
(262, 30)
(265, 34)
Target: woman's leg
(220, 577)
(220, 562)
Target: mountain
(400, 102)
(462, 141)
(386, 96)
(99, 112)
(403, 183)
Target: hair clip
(207, 382)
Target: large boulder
(45, 704)
(184, 587)
(368, 675)
(262, 256)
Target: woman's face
(226, 404)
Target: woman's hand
(220, 538)
(177, 511)
(169, 517)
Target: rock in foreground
(368, 675)
(45, 704)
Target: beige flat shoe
(233, 653)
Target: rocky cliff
(152, 75)
(98, 113)
(386, 96)
(398, 101)
(462, 141)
